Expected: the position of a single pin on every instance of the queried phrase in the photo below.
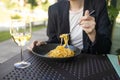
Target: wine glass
(21, 31)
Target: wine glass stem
(21, 54)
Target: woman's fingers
(88, 26)
(87, 22)
(87, 13)
(87, 17)
(36, 43)
(39, 43)
(30, 47)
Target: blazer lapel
(65, 28)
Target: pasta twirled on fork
(60, 51)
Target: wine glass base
(22, 64)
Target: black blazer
(58, 23)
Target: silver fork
(79, 23)
(74, 27)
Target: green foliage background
(33, 3)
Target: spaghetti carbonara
(60, 51)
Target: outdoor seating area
(37, 40)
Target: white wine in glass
(21, 31)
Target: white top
(76, 33)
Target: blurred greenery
(45, 5)
(112, 12)
(6, 35)
(33, 3)
(15, 16)
(9, 5)
(118, 4)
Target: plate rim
(43, 56)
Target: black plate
(43, 50)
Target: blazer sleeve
(52, 25)
(102, 44)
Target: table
(84, 67)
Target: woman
(92, 34)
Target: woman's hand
(36, 43)
(88, 25)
